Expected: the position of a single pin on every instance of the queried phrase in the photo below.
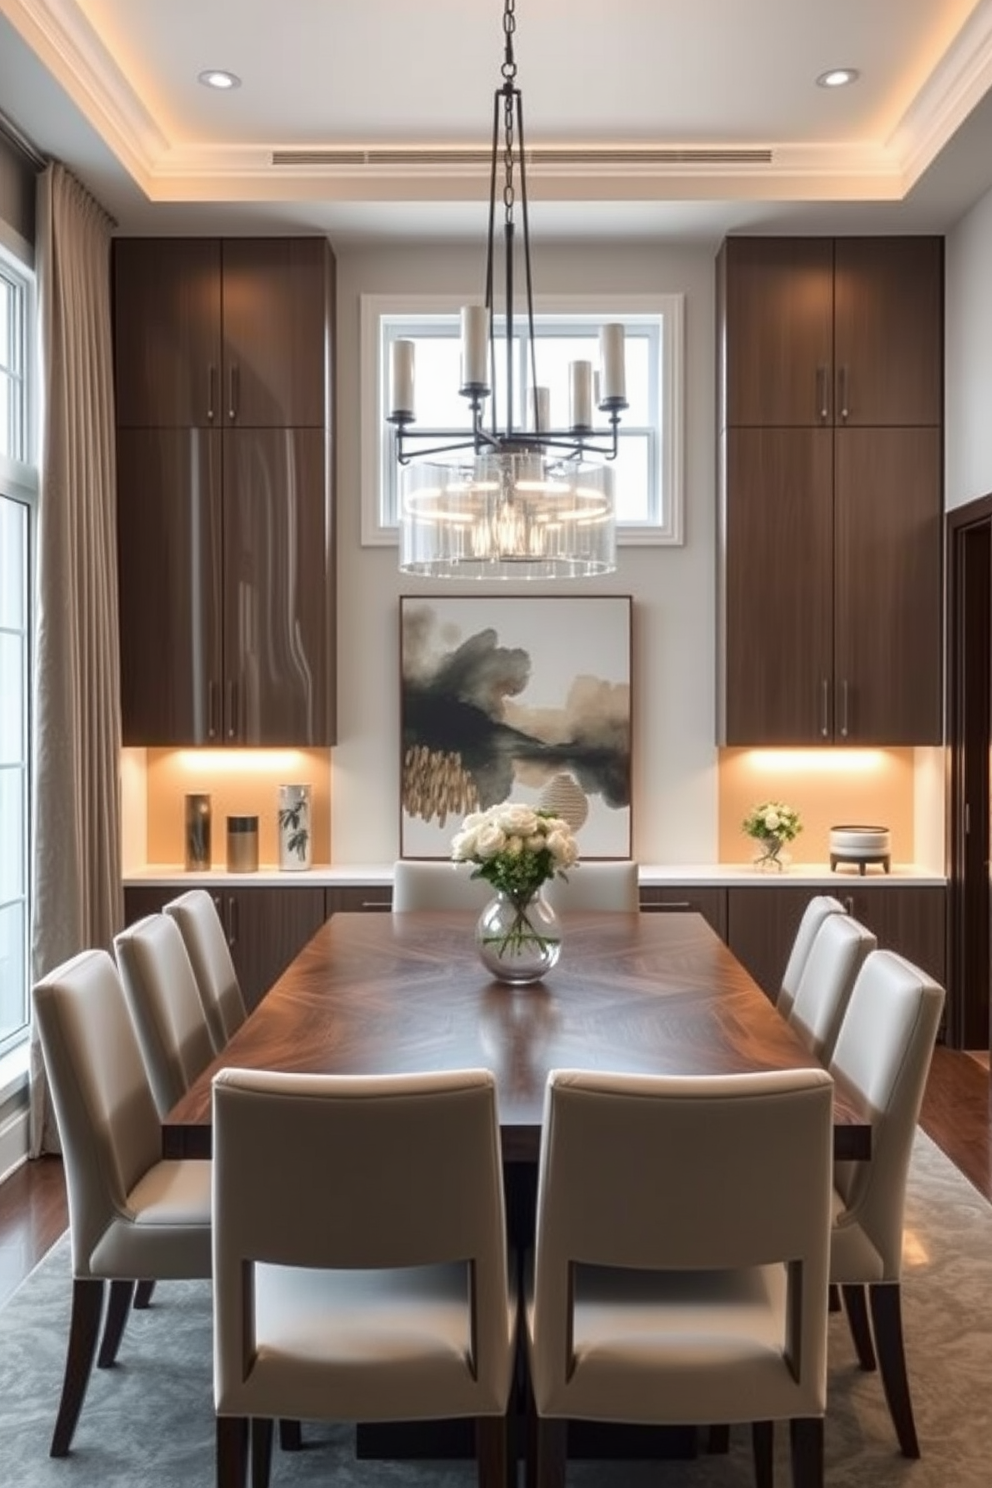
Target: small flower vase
(295, 838)
(519, 939)
(771, 855)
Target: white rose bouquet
(772, 824)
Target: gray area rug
(149, 1420)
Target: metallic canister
(242, 844)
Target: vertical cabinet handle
(232, 710)
(212, 720)
(848, 904)
(233, 383)
(842, 393)
(843, 708)
(821, 394)
(825, 707)
(232, 920)
(211, 392)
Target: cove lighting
(240, 761)
(816, 761)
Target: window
(18, 491)
(649, 462)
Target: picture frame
(516, 698)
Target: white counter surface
(652, 875)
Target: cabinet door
(778, 351)
(169, 580)
(761, 926)
(276, 581)
(167, 341)
(777, 660)
(266, 928)
(353, 898)
(910, 919)
(276, 327)
(888, 619)
(711, 903)
(888, 332)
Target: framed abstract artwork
(515, 699)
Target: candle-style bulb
(401, 382)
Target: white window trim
(373, 381)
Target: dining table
(393, 993)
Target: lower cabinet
(354, 899)
(762, 923)
(266, 927)
(711, 903)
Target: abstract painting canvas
(515, 699)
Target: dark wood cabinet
(352, 898)
(211, 333)
(225, 520)
(711, 903)
(830, 460)
(266, 927)
(908, 918)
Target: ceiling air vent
(586, 158)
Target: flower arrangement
(772, 824)
(517, 848)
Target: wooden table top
(397, 993)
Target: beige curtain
(78, 899)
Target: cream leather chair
(595, 886)
(700, 1296)
(169, 1016)
(131, 1214)
(360, 1262)
(883, 1050)
(438, 885)
(836, 956)
(206, 945)
(813, 916)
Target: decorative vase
(519, 939)
(295, 838)
(771, 855)
(197, 833)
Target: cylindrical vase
(295, 836)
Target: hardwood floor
(957, 1114)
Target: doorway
(969, 735)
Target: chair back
(684, 1174)
(438, 886)
(836, 956)
(206, 945)
(883, 1050)
(813, 916)
(590, 886)
(108, 1125)
(368, 1172)
(165, 1004)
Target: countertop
(652, 875)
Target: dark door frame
(969, 742)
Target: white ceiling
(110, 87)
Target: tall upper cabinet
(223, 362)
(830, 396)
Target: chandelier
(523, 502)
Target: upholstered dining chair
(380, 1292)
(169, 1016)
(437, 885)
(210, 957)
(883, 1051)
(132, 1215)
(836, 956)
(596, 886)
(813, 916)
(697, 1298)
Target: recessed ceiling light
(216, 77)
(838, 77)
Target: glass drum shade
(510, 514)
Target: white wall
(969, 356)
(674, 756)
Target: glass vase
(519, 939)
(771, 855)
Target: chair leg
(718, 1440)
(143, 1295)
(833, 1298)
(806, 1442)
(290, 1436)
(763, 1448)
(856, 1307)
(113, 1327)
(885, 1300)
(492, 1452)
(550, 1452)
(84, 1329)
(232, 1451)
(261, 1452)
